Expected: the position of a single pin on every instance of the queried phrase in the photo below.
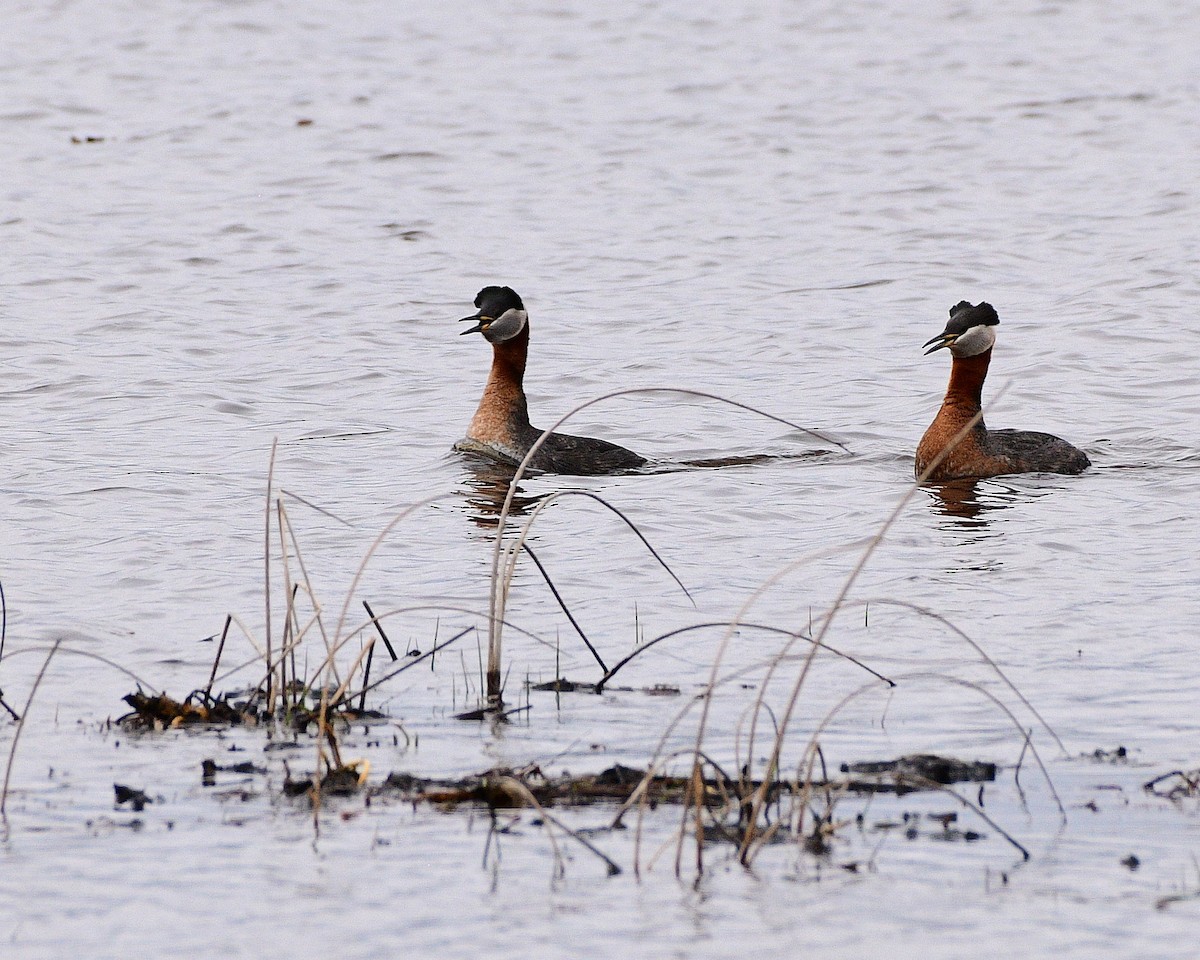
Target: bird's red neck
(966, 380)
(502, 406)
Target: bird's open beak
(480, 322)
(943, 339)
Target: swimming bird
(500, 428)
(969, 336)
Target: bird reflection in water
(967, 502)
(486, 486)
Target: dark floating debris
(137, 799)
(1119, 755)
(210, 768)
(910, 824)
(498, 714)
(1176, 785)
(341, 781)
(160, 712)
(926, 766)
(497, 788)
(618, 783)
(563, 685)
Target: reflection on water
(961, 501)
(733, 460)
(487, 483)
(968, 502)
(487, 480)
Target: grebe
(969, 335)
(500, 427)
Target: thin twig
(603, 681)
(839, 600)
(399, 670)
(983, 655)
(495, 610)
(3, 619)
(313, 506)
(12, 752)
(267, 558)
(379, 629)
(362, 701)
(217, 659)
(563, 606)
(527, 795)
(88, 655)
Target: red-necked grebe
(500, 427)
(969, 336)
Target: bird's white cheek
(974, 341)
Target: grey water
(230, 225)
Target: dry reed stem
(1004, 708)
(657, 755)
(87, 655)
(526, 794)
(408, 665)
(963, 635)
(744, 625)
(318, 509)
(639, 797)
(12, 750)
(727, 638)
(3, 619)
(870, 546)
(512, 555)
(495, 607)
(328, 664)
(414, 608)
(562, 604)
(933, 615)
(288, 621)
(362, 655)
(383, 636)
(308, 588)
(217, 659)
(285, 523)
(848, 584)
(267, 555)
(975, 808)
(802, 784)
(375, 545)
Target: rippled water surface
(229, 223)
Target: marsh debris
(618, 783)
(161, 711)
(210, 768)
(9, 710)
(339, 781)
(497, 714)
(302, 718)
(563, 685)
(1118, 755)
(137, 799)
(1176, 785)
(494, 788)
(912, 769)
